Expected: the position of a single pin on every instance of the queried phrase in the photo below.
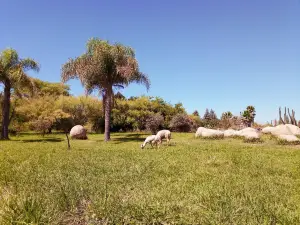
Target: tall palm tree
(104, 67)
(13, 76)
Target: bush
(181, 123)
(154, 122)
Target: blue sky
(215, 54)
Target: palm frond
(29, 64)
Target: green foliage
(181, 123)
(249, 115)
(193, 181)
(43, 88)
(154, 122)
(13, 69)
(132, 114)
(196, 113)
(226, 120)
(83, 110)
(210, 119)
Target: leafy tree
(196, 113)
(248, 115)
(226, 120)
(48, 88)
(210, 119)
(82, 109)
(206, 115)
(181, 123)
(212, 115)
(13, 76)
(103, 67)
(179, 109)
(38, 113)
(226, 115)
(154, 122)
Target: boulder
(294, 129)
(206, 132)
(267, 130)
(212, 133)
(229, 133)
(251, 135)
(78, 132)
(199, 131)
(282, 130)
(289, 138)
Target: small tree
(210, 119)
(63, 122)
(154, 122)
(248, 115)
(196, 113)
(181, 123)
(226, 120)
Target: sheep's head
(142, 146)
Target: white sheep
(149, 139)
(162, 134)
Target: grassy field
(193, 181)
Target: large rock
(206, 132)
(212, 133)
(294, 129)
(289, 138)
(229, 133)
(267, 130)
(282, 130)
(248, 133)
(199, 131)
(78, 132)
(251, 135)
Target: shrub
(181, 123)
(154, 122)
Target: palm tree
(226, 115)
(249, 115)
(104, 67)
(13, 76)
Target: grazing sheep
(162, 134)
(149, 139)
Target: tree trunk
(107, 114)
(66, 133)
(5, 110)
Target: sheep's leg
(160, 142)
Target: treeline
(39, 111)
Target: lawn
(193, 181)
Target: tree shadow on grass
(128, 138)
(41, 140)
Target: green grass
(193, 181)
